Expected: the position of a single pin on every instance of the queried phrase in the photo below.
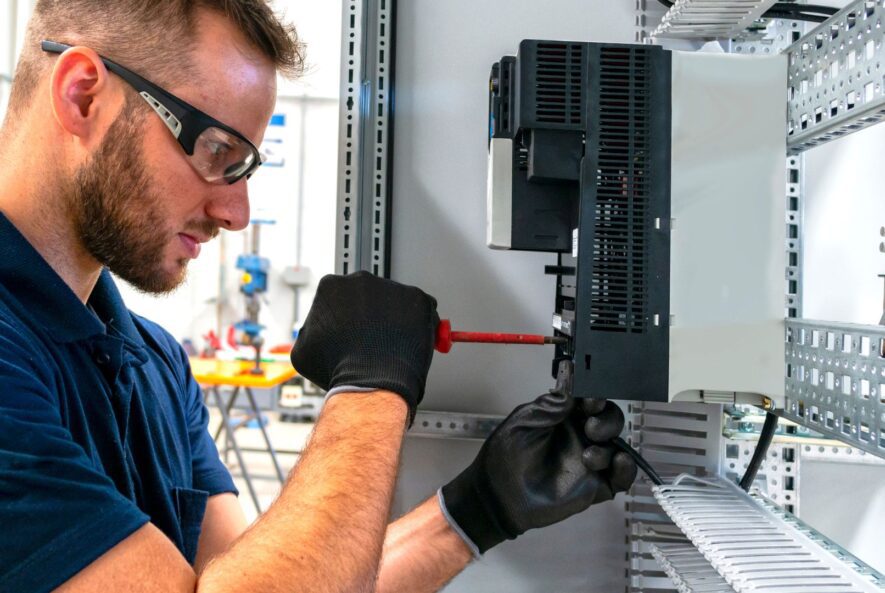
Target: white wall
(307, 146)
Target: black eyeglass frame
(191, 121)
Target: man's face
(138, 206)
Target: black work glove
(548, 460)
(368, 333)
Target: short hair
(153, 37)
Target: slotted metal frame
(836, 381)
(366, 137)
(837, 76)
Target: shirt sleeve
(58, 512)
(209, 472)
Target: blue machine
(253, 283)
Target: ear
(80, 95)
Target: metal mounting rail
(710, 19)
(836, 76)
(757, 547)
(365, 137)
(836, 381)
(453, 425)
(690, 571)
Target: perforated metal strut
(366, 137)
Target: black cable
(810, 8)
(768, 430)
(794, 16)
(640, 461)
(791, 11)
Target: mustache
(203, 228)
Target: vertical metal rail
(366, 137)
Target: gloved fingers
(591, 407)
(622, 472)
(605, 425)
(597, 458)
(547, 410)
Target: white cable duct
(710, 19)
(756, 546)
(690, 571)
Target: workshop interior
(681, 198)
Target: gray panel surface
(444, 53)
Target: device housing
(658, 179)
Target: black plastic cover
(591, 129)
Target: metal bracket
(836, 76)
(366, 137)
(778, 477)
(836, 381)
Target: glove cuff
(455, 527)
(394, 374)
(464, 510)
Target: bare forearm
(421, 552)
(324, 533)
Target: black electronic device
(592, 146)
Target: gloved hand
(548, 460)
(365, 333)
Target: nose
(229, 207)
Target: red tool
(445, 337)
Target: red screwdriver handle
(445, 337)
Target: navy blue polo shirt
(102, 426)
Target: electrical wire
(765, 437)
(810, 8)
(640, 461)
(795, 16)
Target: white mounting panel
(836, 76)
(710, 19)
(756, 546)
(836, 381)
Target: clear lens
(223, 158)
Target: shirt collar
(46, 298)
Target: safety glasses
(220, 154)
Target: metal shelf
(756, 546)
(836, 381)
(836, 76)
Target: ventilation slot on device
(620, 263)
(559, 88)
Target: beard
(118, 218)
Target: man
(130, 135)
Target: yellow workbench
(212, 374)
(238, 373)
